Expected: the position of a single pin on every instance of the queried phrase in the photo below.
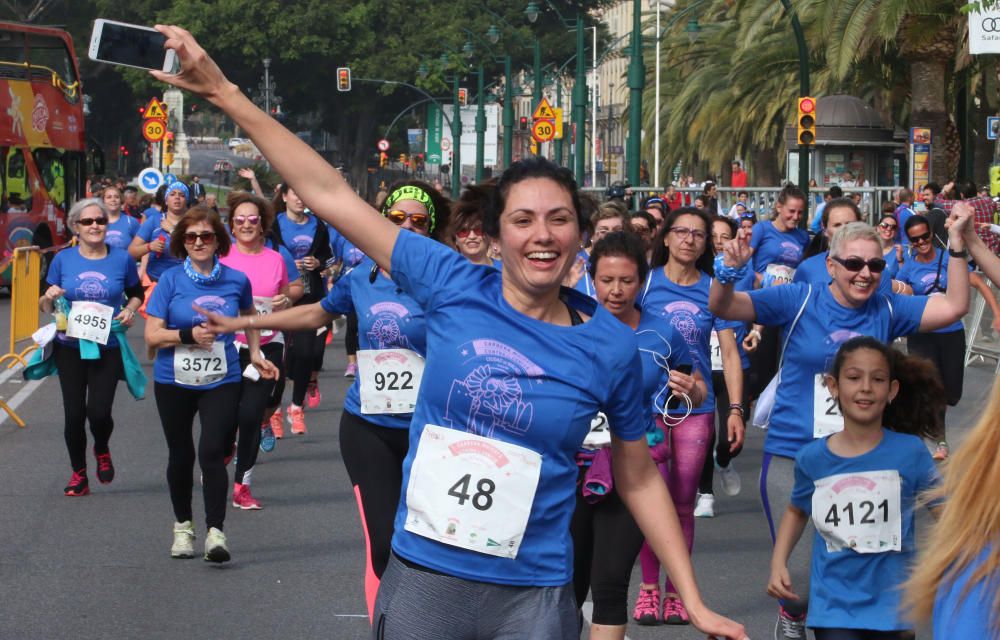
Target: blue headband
(178, 186)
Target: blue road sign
(169, 178)
(150, 179)
(992, 124)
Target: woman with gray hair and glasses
(87, 285)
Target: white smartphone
(131, 45)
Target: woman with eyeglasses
(379, 405)
(517, 366)
(153, 238)
(815, 319)
(121, 228)
(197, 372)
(250, 219)
(466, 233)
(643, 225)
(837, 213)
(892, 251)
(927, 273)
(307, 240)
(93, 278)
(606, 538)
(677, 289)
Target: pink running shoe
(647, 607)
(313, 396)
(242, 498)
(674, 611)
(297, 418)
(277, 426)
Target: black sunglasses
(920, 239)
(875, 265)
(86, 222)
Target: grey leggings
(777, 477)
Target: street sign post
(543, 111)
(155, 110)
(383, 145)
(543, 130)
(153, 129)
(150, 179)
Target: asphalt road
(99, 566)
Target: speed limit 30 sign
(543, 130)
(154, 129)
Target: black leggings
(721, 441)
(351, 343)
(860, 634)
(254, 397)
(216, 409)
(303, 348)
(374, 456)
(606, 541)
(947, 352)
(764, 361)
(88, 390)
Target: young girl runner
(859, 486)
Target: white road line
(20, 397)
(588, 612)
(7, 373)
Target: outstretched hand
(218, 323)
(199, 74)
(737, 251)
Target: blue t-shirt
(891, 264)
(851, 590)
(497, 373)
(157, 263)
(103, 280)
(922, 276)
(343, 251)
(824, 325)
(903, 213)
(298, 238)
(686, 308)
(293, 271)
(813, 270)
(121, 232)
(776, 247)
(655, 334)
(816, 226)
(387, 319)
(171, 301)
(585, 284)
(964, 611)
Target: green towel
(39, 366)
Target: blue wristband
(726, 274)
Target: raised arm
(318, 184)
(723, 300)
(942, 311)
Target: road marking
(588, 612)
(9, 372)
(20, 397)
(350, 615)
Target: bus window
(17, 183)
(12, 56)
(58, 170)
(49, 55)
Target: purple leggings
(685, 447)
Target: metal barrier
(25, 275)
(973, 350)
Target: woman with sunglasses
(154, 235)
(121, 228)
(516, 369)
(815, 319)
(197, 372)
(837, 213)
(892, 251)
(927, 273)
(306, 238)
(677, 289)
(250, 219)
(606, 538)
(467, 225)
(379, 405)
(92, 277)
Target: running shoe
(705, 508)
(243, 499)
(277, 426)
(183, 546)
(329, 337)
(941, 451)
(267, 439)
(674, 611)
(729, 478)
(789, 627)
(215, 546)
(105, 469)
(297, 418)
(647, 607)
(313, 396)
(78, 485)
(351, 370)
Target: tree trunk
(765, 168)
(362, 144)
(927, 82)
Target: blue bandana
(198, 278)
(178, 186)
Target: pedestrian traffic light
(807, 121)
(463, 97)
(170, 142)
(343, 78)
(523, 125)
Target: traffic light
(402, 158)
(807, 121)
(343, 78)
(121, 149)
(170, 143)
(142, 110)
(523, 125)
(383, 158)
(168, 159)
(463, 97)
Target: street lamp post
(456, 142)
(800, 39)
(636, 82)
(480, 124)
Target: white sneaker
(729, 479)
(215, 546)
(183, 546)
(705, 507)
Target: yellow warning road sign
(543, 111)
(155, 110)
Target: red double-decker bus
(43, 148)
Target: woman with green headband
(516, 368)
(379, 405)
